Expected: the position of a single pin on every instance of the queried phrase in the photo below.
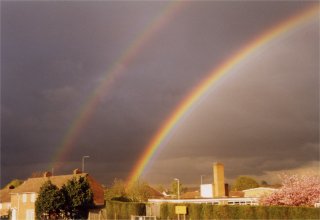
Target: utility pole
(84, 157)
(176, 179)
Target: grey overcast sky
(261, 119)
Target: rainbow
(213, 76)
(86, 111)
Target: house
(236, 194)
(258, 192)
(153, 193)
(23, 197)
(191, 195)
(5, 203)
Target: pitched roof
(33, 185)
(153, 193)
(260, 188)
(97, 189)
(236, 194)
(191, 195)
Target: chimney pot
(47, 174)
(77, 171)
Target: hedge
(124, 210)
(209, 211)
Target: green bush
(234, 212)
(223, 211)
(262, 212)
(164, 211)
(209, 211)
(247, 212)
(172, 211)
(303, 212)
(124, 210)
(278, 212)
(215, 211)
(194, 211)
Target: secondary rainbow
(213, 76)
(69, 140)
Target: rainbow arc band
(116, 70)
(213, 76)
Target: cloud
(262, 117)
(54, 57)
(311, 168)
(61, 95)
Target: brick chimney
(77, 171)
(218, 180)
(47, 174)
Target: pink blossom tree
(296, 191)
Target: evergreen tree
(50, 202)
(79, 198)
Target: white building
(206, 190)
(258, 192)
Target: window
(24, 198)
(30, 214)
(33, 197)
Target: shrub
(261, 212)
(234, 212)
(194, 211)
(207, 211)
(172, 210)
(303, 213)
(247, 212)
(164, 211)
(215, 211)
(223, 211)
(277, 212)
(123, 210)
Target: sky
(261, 119)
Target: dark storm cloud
(263, 117)
(54, 54)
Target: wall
(258, 192)
(22, 206)
(206, 191)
